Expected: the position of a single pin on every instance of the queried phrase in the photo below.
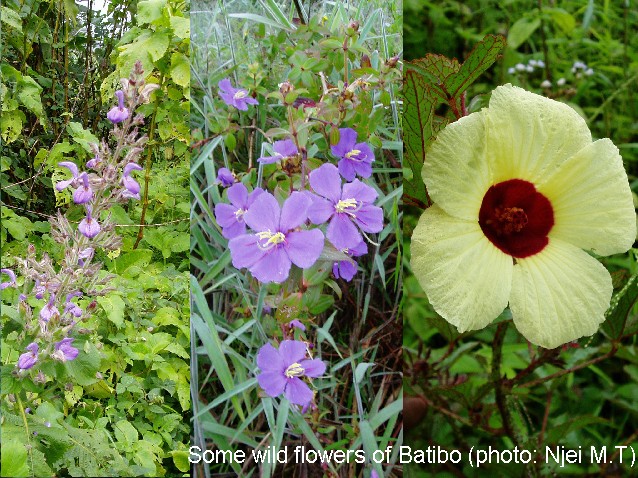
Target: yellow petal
(559, 295)
(593, 206)
(455, 170)
(466, 278)
(529, 136)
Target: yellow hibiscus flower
(519, 190)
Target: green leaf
(180, 69)
(84, 368)
(11, 125)
(29, 95)
(261, 19)
(14, 455)
(82, 136)
(114, 307)
(11, 18)
(521, 31)
(133, 262)
(125, 432)
(149, 10)
(620, 308)
(180, 459)
(181, 27)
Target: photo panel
(296, 227)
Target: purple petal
(117, 115)
(238, 195)
(89, 227)
(270, 159)
(320, 210)
(344, 270)
(225, 214)
(365, 152)
(33, 347)
(294, 212)
(313, 368)
(347, 140)
(342, 233)
(359, 191)
(225, 177)
(363, 169)
(273, 383)
(298, 392)
(269, 359)
(27, 360)
(70, 166)
(132, 167)
(82, 195)
(226, 86)
(263, 214)
(297, 324)
(346, 169)
(359, 250)
(274, 266)
(369, 218)
(292, 351)
(304, 247)
(326, 182)
(285, 148)
(131, 185)
(253, 195)
(244, 250)
(61, 185)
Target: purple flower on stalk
(64, 351)
(85, 255)
(118, 113)
(281, 371)
(88, 226)
(225, 177)
(237, 97)
(49, 310)
(131, 185)
(276, 243)
(92, 163)
(12, 279)
(283, 149)
(29, 359)
(231, 216)
(83, 193)
(61, 185)
(72, 307)
(356, 158)
(346, 270)
(343, 207)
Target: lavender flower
(282, 371)
(231, 216)
(283, 150)
(12, 278)
(72, 307)
(131, 185)
(92, 163)
(356, 158)
(88, 226)
(29, 359)
(297, 324)
(225, 177)
(236, 97)
(83, 194)
(344, 208)
(269, 252)
(49, 310)
(118, 113)
(61, 185)
(64, 351)
(346, 270)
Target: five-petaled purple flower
(64, 351)
(281, 371)
(118, 113)
(12, 278)
(231, 216)
(346, 270)
(237, 97)
(132, 186)
(283, 149)
(28, 359)
(225, 177)
(276, 243)
(89, 226)
(343, 207)
(356, 158)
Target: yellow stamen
(344, 204)
(352, 153)
(239, 213)
(240, 94)
(294, 370)
(272, 239)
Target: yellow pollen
(273, 239)
(239, 213)
(344, 204)
(294, 370)
(352, 153)
(240, 94)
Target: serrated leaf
(181, 27)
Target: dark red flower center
(516, 218)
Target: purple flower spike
(236, 97)
(29, 359)
(355, 158)
(269, 252)
(346, 270)
(84, 193)
(64, 351)
(61, 185)
(281, 371)
(283, 149)
(12, 279)
(88, 226)
(225, 177)
(346, 208)
(231, 216)
(49, 310)
(118, 113)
